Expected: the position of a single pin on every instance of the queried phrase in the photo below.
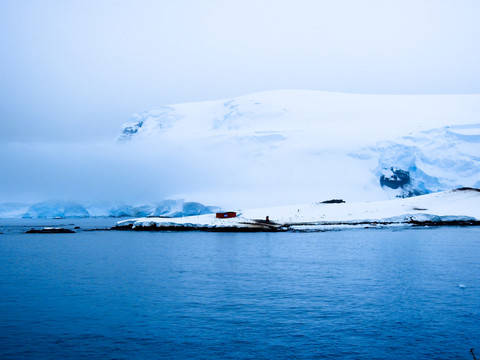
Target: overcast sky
(76, 70)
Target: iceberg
(56, 209)
(12, 210)
(69, 209)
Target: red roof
(228, 214)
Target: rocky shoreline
(310, 227)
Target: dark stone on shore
(444, 223)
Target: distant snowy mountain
(70, 209)
(294, 146)
(56, 209)
(12, 210)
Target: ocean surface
(355, 294)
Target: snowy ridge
(294, 146)
(301, 110)
(461, 205)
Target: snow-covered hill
(296, 146)
(452, 207)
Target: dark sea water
(359, 294)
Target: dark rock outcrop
(333, 201)
(398, 179)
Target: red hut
(224, 215)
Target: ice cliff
(429, 161)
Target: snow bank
(461, 205)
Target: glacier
(435, 160)
(265, 149)
(292, 146)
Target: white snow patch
(442, 206)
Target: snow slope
(454, 205)
(293, 146)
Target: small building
(228, 214)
